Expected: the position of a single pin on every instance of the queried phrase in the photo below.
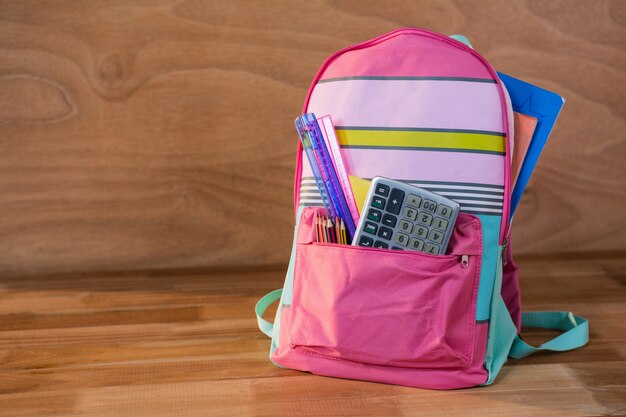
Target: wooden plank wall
(158, 134)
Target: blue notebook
(541, 104)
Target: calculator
(400, 216)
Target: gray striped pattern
(484, 199)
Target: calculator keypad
(366, 241)
(410, 213)
(380, 244)
(378, 202)
(405, 226)
(435, 236)
(374, 215)
(389, 220)
(382, 189)
(395, 201)
(425, 219)
(444, 211)
(370, 228)
(401, 239)
(440, 223)
(385, 232)
(416, 244)
(429, 206)
(421, 231)
(404, 217)
(414, 201)
(431, 248)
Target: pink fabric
(405, 54)
(382, 315)
(396, 104)
(438, 166)
(358, 60)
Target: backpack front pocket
(387, 307)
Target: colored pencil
(329, 230)
(317, 228)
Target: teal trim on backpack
(488, 266)
(502, 331)
(285, 296)
(462, 39)
(288, 286)
(502, 335)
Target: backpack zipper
(505, 247)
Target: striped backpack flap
(422, 108)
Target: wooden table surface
(185, 343)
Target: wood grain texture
(185, 342)
(158, 134)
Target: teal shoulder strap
(265, 326)
(462, 39)
(576, 332)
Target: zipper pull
(464, 261)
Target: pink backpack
(419, 107)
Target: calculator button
(389, 220)
(406, 227)
(444, 210)
(432, 248)
(420, 231)
(429, 205)
(425, 219)
(370, 228)
(378, 202)
(374, 215)
(382, 189)
(401, 239)
(409, 213)
(382, 245)
(440, 223)
(395, 201)
(385, 232)
(413, 200)
(366, 241)
(416, 243)
(435, 236)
